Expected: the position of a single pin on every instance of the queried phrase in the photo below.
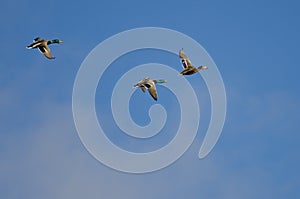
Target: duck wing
(186, 63)
(143, 88)
(152, 89)
(46, 51)
(37, 42)
(33, 45)
(141, 85)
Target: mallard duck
(148, 83)
(42, 45)
(189, 69)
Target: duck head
(202, 68)
(56, 41)
(160, 81)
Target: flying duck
(148, 83)
(189, 69)
(42, 45)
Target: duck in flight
(42, 45)
(148, 83)
(189, 69)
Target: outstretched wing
(152, 90)
(143, 88)
(36, 43)
(46, 51)
(186, 63)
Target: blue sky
(255, 46)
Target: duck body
(43, 47)
(190, 71)
(188, 68)
(148, 83)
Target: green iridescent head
(161, 81)
(56, 41)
